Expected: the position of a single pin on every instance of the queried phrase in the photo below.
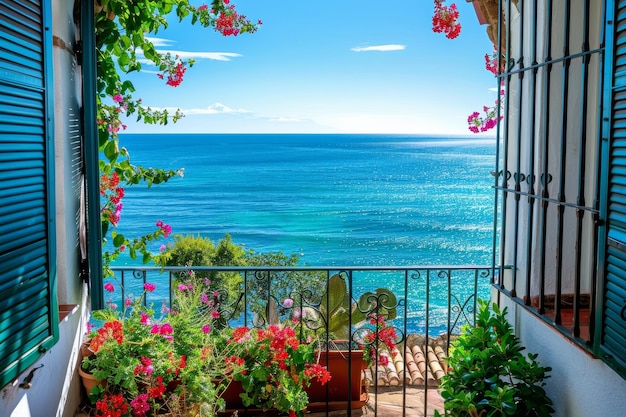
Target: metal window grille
(548, 158)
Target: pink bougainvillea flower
(167, 230)
(148, 286)
(166, 329)
(145, 318)
(140, 405)
(445, 20)
(109, 287)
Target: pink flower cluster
(489, 119)
(174, 74)
(145, 367)
(164, 330)
(381, 334)
(445, 20)
(140, 405)
(491, 62)
(227, 22)
(110, 115)
(166, 228)
(112, 193)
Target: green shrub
(264, 299)
(489, 375)
(192, 250)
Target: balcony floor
(387, 403)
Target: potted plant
(339, 310)
(362, 324)
(345, 364)
(277, 369)
(489, 375)
(176, 363)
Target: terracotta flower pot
(231, 395)
(346, 384)
(85, 351)
(89, 381)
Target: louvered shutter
(28, 311)
(613, 331)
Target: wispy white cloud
(145, 71)
(380, 48)
(215, 56)
(160, 41)
(218, 118)
(284, 119)
(216, 108)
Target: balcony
(426, 307)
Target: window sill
(66, 310)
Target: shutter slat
(17, 270)
(35, 291)
(36, 233)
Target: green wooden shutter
(613, 326)
(28, 306)
(92, 169)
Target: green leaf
(123, 60)
(118, 240)
(110, 150)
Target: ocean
(335, 200)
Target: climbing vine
(123, 30)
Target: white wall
(580, 385)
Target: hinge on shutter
(78, 50)
(84, 271)
(26, 384)
(597, 220)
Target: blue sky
(342, 66)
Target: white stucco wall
(579, 385)
(55, 388)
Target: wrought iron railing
(425, 306)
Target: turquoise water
(335, 200)
(332, 199)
